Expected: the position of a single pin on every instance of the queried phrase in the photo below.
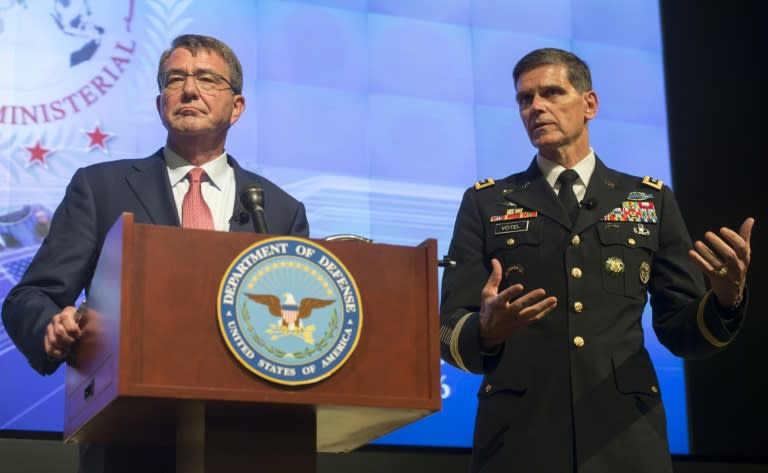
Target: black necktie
(566, 196)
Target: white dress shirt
(218, 188)
(584, 169)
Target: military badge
(641, 230)
(289, 311)
(635, 195)
(614, 266)
(515, 268)
(484, 183)
(645, 272)
(651, 182)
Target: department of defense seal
(289, 311)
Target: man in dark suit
(547, 294)
(200, 81)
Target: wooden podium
(152, 366)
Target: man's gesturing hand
(503, 314)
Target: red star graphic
(37, 154)
(98, 138)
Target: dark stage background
(714, 52)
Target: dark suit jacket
(94, 199)
(576, 391)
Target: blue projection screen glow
(377, 114)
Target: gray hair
(194, 43)
(578, 71)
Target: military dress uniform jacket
(576, 391)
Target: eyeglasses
(205, 80)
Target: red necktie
(194, 211)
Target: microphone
(446, 262)
(240, 217)
(589, 204)
(252, 198)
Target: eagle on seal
(289, 311)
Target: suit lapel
(242, 178)
(152, 189)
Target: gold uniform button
(576, 273)
(578, 341)
(575, 240)
(578, 306)
(654, 389)
(488, 388)
(510, 242)
(631, 241)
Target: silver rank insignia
(645, 272)
(614, 266)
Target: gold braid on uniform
(705, 332)
(455, 335)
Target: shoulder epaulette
(484, 183)
(651, 182)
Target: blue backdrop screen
(377, 114)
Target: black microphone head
(240, 216)
(252, 197)
(589, 204)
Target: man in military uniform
(551, 278)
